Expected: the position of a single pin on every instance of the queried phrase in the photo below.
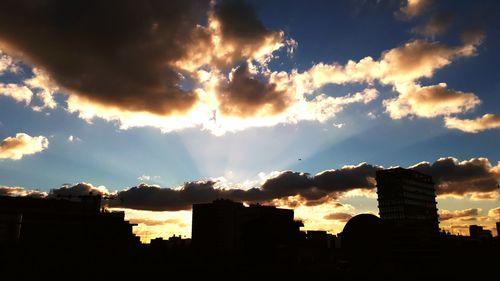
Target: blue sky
(104, 152)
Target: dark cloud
(245, 95)
(79, 189)
(347, 178)
(475, 176)
(310, 188)
(463, 214)
(343, 217)
(239, 23)
(115, 53)
(453, 177)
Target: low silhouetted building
(224, 228)
(478, 232)
(57, 221)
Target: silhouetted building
(224, 227)
(407, 198)
(478, 232)
(363, 233)
(79, 221)
(363, 242)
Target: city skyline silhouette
(348, 137)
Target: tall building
(407, 201)
(224, 227)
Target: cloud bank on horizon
(182, 64)
(476, 178)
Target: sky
(162, 104)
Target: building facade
(407, 198)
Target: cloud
(233, 33)
(113, 53)
(244, 96)
(494, 214)
(450, 215)
(419, 58)
(22, 144)
(46, 88)
(21, 191)
(429, 101)
(485, 122)
(413, 8)
(343, 217)
(79, 189)
(437, 25)
(18, 92)
(7, 64)
(476, 176)
(181, 53)
(148, 178)
(329, 184)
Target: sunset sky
(293, 103)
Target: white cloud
(148, 178)
(22, 144)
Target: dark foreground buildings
(76, 237)
(79, 221)
(225, 228)
(62, 235)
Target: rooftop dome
(362, 232)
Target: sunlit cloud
(18, 92)
(494, 213)
(22, 144)
(413, 8)
(429, 101)
(21, 191)
(485, 122)
(219, 100)
(46, 88)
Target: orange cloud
(20, 191)
(448, 215)
(485, 122)
(494, 213)
(22, 144)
